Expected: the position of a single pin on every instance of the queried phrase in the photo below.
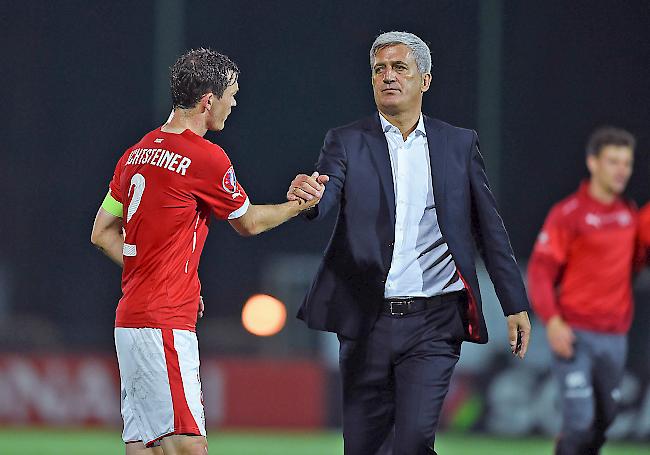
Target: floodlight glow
(263, 315)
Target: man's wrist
(555, 319)
(296, 208)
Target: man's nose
(389, 76)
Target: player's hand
(560, 337)
(307, 187)
(519, 333)
(201, 307)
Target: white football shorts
(161, 388)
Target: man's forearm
(111, 244)
(261, 218)
(274, 215)
(107, 235)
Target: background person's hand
(307, 187)
(560, 337)
(519, 333)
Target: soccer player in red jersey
(154, 222)
(580, 286)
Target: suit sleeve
(332, 162)
(492, 238)
(546, 263)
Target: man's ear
(592, 163)
(206, 102)
(426, 82)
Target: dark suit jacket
(346, 294)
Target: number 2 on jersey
(137, 185)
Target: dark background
(78, 87)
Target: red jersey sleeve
(546, 263)
(644, 233)
(114, 186)
(218, 187)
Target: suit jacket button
(391, 244)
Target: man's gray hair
(420, 50)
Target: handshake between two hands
(307, 189)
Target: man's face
(221, 107)
(611, 168)
(396, 80)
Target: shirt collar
(583, 192)
(386, 126)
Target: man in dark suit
(398, 282)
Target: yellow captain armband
(112, 206)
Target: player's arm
(228, 200)
(107, 230)
(546, 263)
(544, 271)
(260, 218)
(543, 274)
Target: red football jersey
(582, 263)
(168, 185)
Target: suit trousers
(397, 378)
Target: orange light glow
(263, 315)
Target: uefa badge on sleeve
(229, 183)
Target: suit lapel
(376, 141)
(437, 143)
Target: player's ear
(592, 163)
(206, 101)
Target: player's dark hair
(609, 135)
(198, 72)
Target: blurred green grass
(34, 441)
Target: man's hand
(519, 333)
(560, 337)
(201, 307)
(307, 187)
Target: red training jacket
(582, 263)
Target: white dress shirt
(422, 265)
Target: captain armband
(112, 206)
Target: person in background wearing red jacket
(580, 286)
(644, 231)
